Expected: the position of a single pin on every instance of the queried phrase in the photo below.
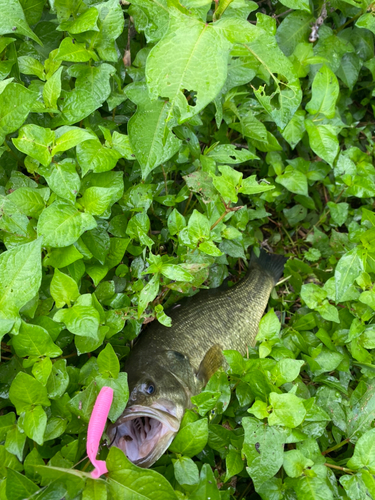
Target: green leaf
(91, 155)
(58, 380)
(191, 439)
(347, 270)
(15, 104)
(207, 486)
(85, 22)
(108, 362)
(64, 289)
(52, 89)
(81, 320)
(367, 21)
(323, 140)
(294, 181)
(13, 20)
(33, 340)
(151, 141)
(263, 448)
(251, 186)
(186, 472)
(26, 392)
(35, 141)
(30, 66)
(288, 410)
(364, 453)
(19, 486)
(35, 423)
(63, 179)
(20, 276)
(28, 201)
(286, 370)
(201, 66)
(325, 91)
(295, 463)
(198, 227)
(175, 272)
(228, 183)
(69, 137)
(61, 224)
(128, 480)
(313, 488)
(72, 51)
(148, 293)
(297, 4)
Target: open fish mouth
(143, 433)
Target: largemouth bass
(169, 365)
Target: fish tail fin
(273, 264)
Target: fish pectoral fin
(212, 361)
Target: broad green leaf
(72, 51)
(323, 140)
(367, 21)
(61, 224)
(191, 439)
(148, 293)
(6, 423)
(20, 276)
(228, 183)
(85, 22)
(35, 423)
(347, 270)
(286, 370)
(63, 179)
(15, 442)
(198, 227)
(64, 289)
(52, 89)
(26, 392)
(108, 362)
(19, 486)
(13, 20)
(297, 4)
(30, 66)
(15, 103)
(151, 141)
(284, 101)
(91, 155)
(33, 340)
(293, 180)
(263, 448)
(96, 200)
(288, 410)
(127, 480)
(207, 487)
(186, 472)
(69, 137)
(201, 66)
(364, 453)
(42, 369)
(251, 186)
(295, 463)
(314, 488)
(325, 91)
(111, 25)
(58, 382)
(35, 141)
(32, 9)
(81, 320)
(28, 201)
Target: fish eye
(150, 389)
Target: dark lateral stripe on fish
(273, 264)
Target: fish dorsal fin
(212, 361)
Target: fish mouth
(144, 433)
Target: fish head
(157, 401)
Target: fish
(169, 365)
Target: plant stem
(343, 469)
(336, 447)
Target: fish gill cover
(146, 148)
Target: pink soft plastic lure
(97, 423)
